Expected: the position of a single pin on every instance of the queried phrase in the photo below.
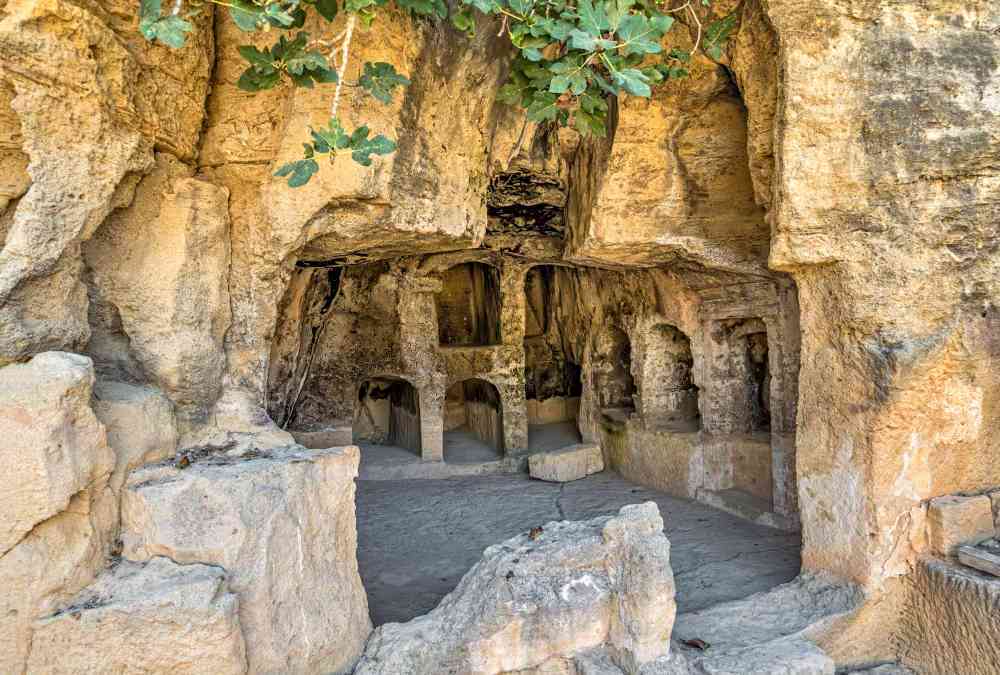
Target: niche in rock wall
(740, 407)
(468, 306)
(473, 422)
(613, 380)
(552, 382)
(669, 396)
(387, 412)
(741, 377)
(758, 381)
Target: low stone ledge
(956, 520)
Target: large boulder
(53, 445)
(547, 595)
(282, 523)
(157, 617)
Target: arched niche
(387, 412)
(473, 422)
(613, 382)
(669, 394)
(468, 306)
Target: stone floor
(416, 538)
(461, 446)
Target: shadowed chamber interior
(552, 354)
(468, 306)
(473, 417)
(387, 412)
(672, 401)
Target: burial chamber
(241, 417)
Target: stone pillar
(432, 423)
(515, 406)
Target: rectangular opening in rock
(473, 422)
(468, 306)
(388, 413)
(552, 374)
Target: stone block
(156, 617)
(282, 523)
(543, 597)
(571, 463)
(955, 520)
(53, 445)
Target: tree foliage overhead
(571, 56)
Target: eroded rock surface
(281, 522)
(154, 617)
(565, 588)
(54, 447)
(163, 263)
(140, 425)
(57, 515)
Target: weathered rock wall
(884, 212)
(837, 167)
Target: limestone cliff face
(836, 170)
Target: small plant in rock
(572, 55)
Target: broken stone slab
(153, 617)
(53, 445)
(956, 520)
(282, 523)
(561, 590)
(140, 425)
(567, 464)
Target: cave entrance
(473, 423)
(468, 306)
(614, 382)
(552, 374)
(387, 412)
